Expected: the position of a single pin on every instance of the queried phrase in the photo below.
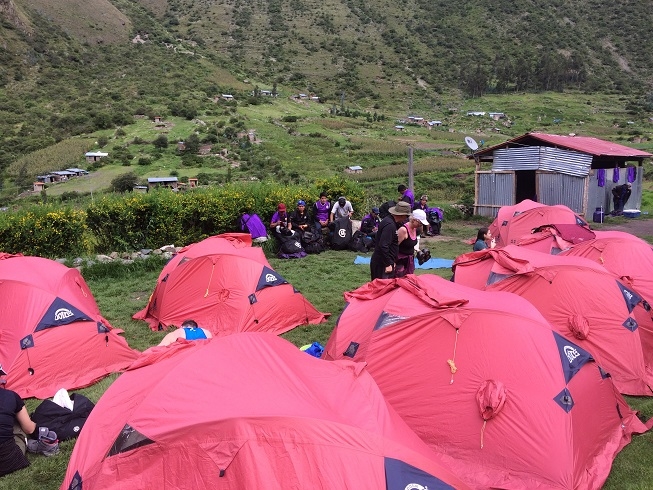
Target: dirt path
(640, 227)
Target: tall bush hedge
(46, 231)
(135, 221)
(162, 217)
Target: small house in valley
(94, 156)
(169, 182)
(577, 171)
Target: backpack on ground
(66, 423)
(290, 246)
(342, 233)
(360, 242)
(313, 242)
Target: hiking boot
(47, 443)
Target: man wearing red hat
(280, 218)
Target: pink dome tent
(581, 300)
(482, 378)
(248, 411)
(49, 317)
(514, 222)
(226, 286)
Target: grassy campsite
(122, 289)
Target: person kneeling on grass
(189, 330)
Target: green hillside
(100, 68)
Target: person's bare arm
(172, 336)
(25, 422)
(402, 234)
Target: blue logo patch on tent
(404, 476)
(269, 278)
(630, 297)
(351, 350)
(102, 328)
(60, 313)
(252, 299)
(630, 324)
(386, 319)
(572, 357)
(27, 342)
(565, 400)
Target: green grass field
(121, 290)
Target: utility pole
(410, 168)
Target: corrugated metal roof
(585, 144)
(161, 179)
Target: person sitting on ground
(484, 239)
(321, 210)
(189, 330)
(341, 209)
(370, 223)
(407, 238)
(433, 215)
(406, 195)
(12, 411)
(279, 218)
(299, 219)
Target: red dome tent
(623, 254)
(482, 378)
(513, 222)
(248, 411)
(581, 300)
(49, 318)
(226, 286)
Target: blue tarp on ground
(433, 263)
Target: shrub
(46, 231)
(160, 141)
(124, 182)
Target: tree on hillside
(192, 144)
(124, 182)
(160, 141)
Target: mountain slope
(75, 66)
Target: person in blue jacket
(189, 330)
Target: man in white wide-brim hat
(386, 244)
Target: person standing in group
(407, 237)
(484, 239)
(386, 243)
(406, 195)
(321, 210)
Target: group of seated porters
(314, 228)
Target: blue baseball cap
(375, 210)
(301, 203)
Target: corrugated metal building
(577, 171)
